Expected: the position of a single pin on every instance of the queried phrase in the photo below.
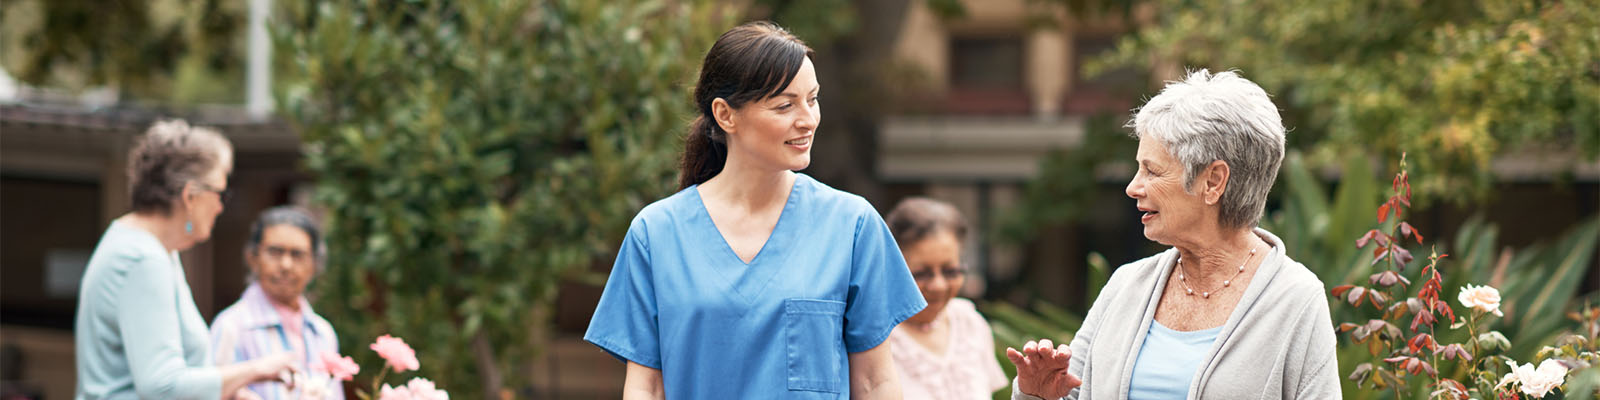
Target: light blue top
(829, 281)
(1168, 361)
(138, 333)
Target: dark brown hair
(750, 62)
(170, 155)
(916, 218)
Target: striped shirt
(252, 328)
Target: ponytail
(704, 152)
(749, 62)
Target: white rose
(1538, 382)
(1481, 298)
(1549, 375)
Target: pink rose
(1481, 298)
(340, 368)
(417, 389)
(397, 353)
(389, 393)
(423, 389)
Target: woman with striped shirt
(273, 316)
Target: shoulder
(1295, 284)
(1143, 270)
(827, 198)
(230, 316)
(964, 313)
(124, 245)
(664, 213)
(668, 208)
(324, 328)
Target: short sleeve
(882, 293)
(625, 322)
(148, 319)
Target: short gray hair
(290, 216)
(1207, 117)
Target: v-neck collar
(1265, 272)
(747, 279)
(783, 216)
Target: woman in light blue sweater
(138, 333)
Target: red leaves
(1453, 351)
(1355, 294)
(1376, 334)
(1387, 291)
(1420, 342)
(1424, 317)
(1412, 365)
(1388, 278)
(1362, 242)
(1406, 229)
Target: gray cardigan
(1277, 344)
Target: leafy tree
(181, 51)
(473, 154)
(1454, 82)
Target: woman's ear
(723, 113)
(1214, 181)
(186, 197)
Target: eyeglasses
(948, 273)
(295, 255)
(222, 194)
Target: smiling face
(776, 132)
(283, 263)
(1158, 189)
(935, 263)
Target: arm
(642, 383)
(1320, 379)
(872, 374)
(148, 319)
(235, 377)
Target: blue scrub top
(828, 282)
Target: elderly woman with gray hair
(284, 252)
(138, 333)
(1223, 314)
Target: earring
(188, 227)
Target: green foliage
(473, 154)
(182, 51)
(1537, 283)
(1464, 80)
(1014, 326)
(1068, 180)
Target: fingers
(1047, 349)
(1063, 354)
(1016, 357)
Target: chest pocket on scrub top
(813, 334)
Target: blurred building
(1001, 87)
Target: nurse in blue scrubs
(753, 281)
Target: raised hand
(1042, 370)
